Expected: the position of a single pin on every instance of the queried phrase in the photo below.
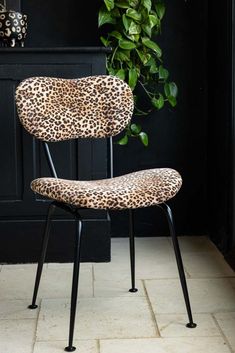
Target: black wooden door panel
(22, 157)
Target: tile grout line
(93, 280)
(37, 319)
(98, 345)
(222, 333)
(151, 310)
(190, 277)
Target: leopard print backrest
(56, 109)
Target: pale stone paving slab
(16, 309)
(174, 325)
(165, 345)
(196, 244)
(17, 336)
(146, 269)
(82, 346)
(226, 322)
(18, 282)
(107, 289)
(206, 295)
(206, 265)
(96, 318)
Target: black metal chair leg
(43, 255)
(179, 261)
(76, 266)
(132, 252)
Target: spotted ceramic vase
(13, 28)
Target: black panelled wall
(192, 138)
(177, 136)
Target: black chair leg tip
(32, 306)
(70, 349)
(133, 290)
(191, 325)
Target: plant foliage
(136, 58)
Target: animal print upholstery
(139, 189)
(55, 109)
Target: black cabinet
(22, 213)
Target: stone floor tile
(96, 318)
(17, 336)
(146, 248)
(165, 345)
(56, 282)
(146, 268)
(69, 265)
(104, 288)
(208, 264)
(16, 309)
(196, 244)
(226, 322)
(14, 267)
(17, 283)
(232, 281)
(207, 295)
(82, 346)
(174, 325)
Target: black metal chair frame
(75, 212)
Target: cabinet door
(22, 160)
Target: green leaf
(153, 20)
(111, 71)
(132, 79)
(122, 55)
(126, 22)
(109, 4)
(147, 29)
(126, 44)
(133, 14)
(152, 63)
(134, 3)
(173, 89)
(105, 41)
(144, 138)
(105, 17)
(133, 37)
(153, 69)
(143, 56)
(163, 73)
(115, 12)
(172, 101)
(158, 102)
(122, 4)
(170, 89)
(135, 129)
(147, 4)
(160, 9)
(123, 140)
(152, 45)
(115, 34)
(134, 28)
(121, 74)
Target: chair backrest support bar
(111, 156)
(49, 159)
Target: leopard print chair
(54, 109)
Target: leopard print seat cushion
(138, 189)
(56, 109)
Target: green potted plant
(132, 28)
